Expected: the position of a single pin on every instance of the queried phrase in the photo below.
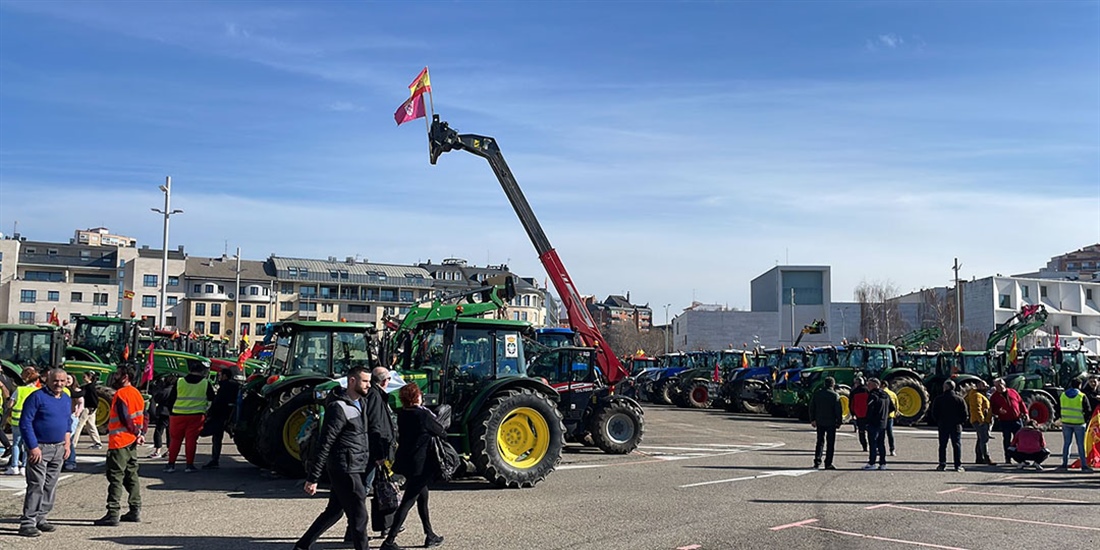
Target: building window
(286, 306)
(1073, 321)
(286, 288)
(246, 310)
(523, 315)
(171, 301)
(1042, 291)
(261, 312)
(1025, 291)
(53, 296)
(334, 274)
(515, 315)
(406, 295)
(215, 311)
(51, 251)
(326, 308)
(1006, 301)
(292, 271)
(389, 295)
(28, 296)
(76, 297)
(99, 298)
(200, 327)
(208, 289)
(308, 291)
(148, 301)
(149, 280)
(197, 289)
(344, 274)
(200, 309)
(1071, 265)
(47, 276)
(260, 329)
(1088, 293)
(173, 281)
(221, 289)
(215, 327)
(303, 272)
(307, 306)
(26, 317)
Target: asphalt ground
(701, 480)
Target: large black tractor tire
(1040, 408)
(749, 405)
(913, 400)
(282, 432)
(517, 439)
(618, 427)
(700, 395)
(246, 433)
(104, 396)
(662, 392)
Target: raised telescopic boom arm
(1028, 320)
(443, 139)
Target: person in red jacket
(1029, 447)
(858, 405)
(1009, 413)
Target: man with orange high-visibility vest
(126, 426)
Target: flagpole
(427, 124)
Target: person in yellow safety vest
(893, 415)
(189, 399)
(1075, 413)
(16, 466)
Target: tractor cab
(572, 372)
(103, 339)
(38, 346)
(320, 349)
(1051, 367)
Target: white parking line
(787, 473)
(20, 482)
(806, 524)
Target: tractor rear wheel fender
(504, 385)
(516, 438)
(617, 427)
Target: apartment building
(352, 290)
(228, 297)
(141, 285)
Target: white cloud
(890, 40)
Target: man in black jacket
(879, 407)
(343, 451)
(382, 437)
(826, 415)
(950, 412)
(219, 414)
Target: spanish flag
(1014, 351)
(422, 83)
(744, 360)
(958, 348)
(128, 294)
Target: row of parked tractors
(780, 381)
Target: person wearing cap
(981, 417)
(188, 400)
(221, 411)
(858, 405)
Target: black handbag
(446, 457)
(387, 494)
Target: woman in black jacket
(416, 426)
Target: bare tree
(880, 319)
(626, 339)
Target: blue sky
(673, 150)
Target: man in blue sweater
(45, 427)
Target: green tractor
(275, 406)
(874, 361)
(113, 341)
(43, 347)
(1041, 378)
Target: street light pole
(167, 212)
(237, 301)
(667, 328)
(958, 306)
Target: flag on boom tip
(411, 109)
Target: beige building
(227, 298)
(101, 236)
(141, 275)
(39, 278)
(351, 290)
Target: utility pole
(668, 328)
(237, 299)
(792, 315)
(958, 306)
(167, 212)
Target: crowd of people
(873, 407)
(360, 439)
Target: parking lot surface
(701, 480)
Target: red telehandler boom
(443, 139)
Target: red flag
(1014, 351)
(411, 109)
(147, 375)
(422, 83)
(53, 320)
(1056, 338)
(717, 373)
(245, 355)
(744, 360)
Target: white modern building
(1072, 308)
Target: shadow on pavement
(176, 542)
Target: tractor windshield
(26, 348)
(103, 339)
(978, 365)
(872, 361)
(479, 354)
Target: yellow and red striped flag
(422, 83)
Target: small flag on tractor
(52, 318)
(1014, 351)
(147, 374)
